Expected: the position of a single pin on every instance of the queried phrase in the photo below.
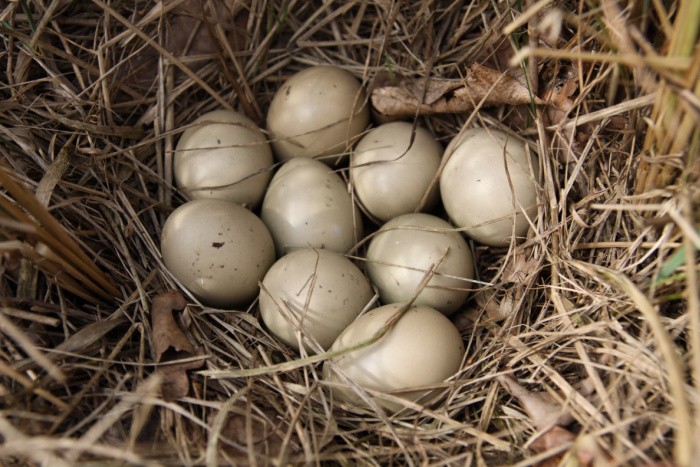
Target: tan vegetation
(583, 349)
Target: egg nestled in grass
(218, 250)
(489, 186)
(422, 349)
(223, 154)
(318, 112)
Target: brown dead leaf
(558, 93)
(264, 440)
(166, 332)
(176, 383)
(405, 97)
(171, 344)
(553, 438)
(523, 267)
(87, 336)
(562, 84)
(497, 306)
(187, 37)
(543, 410)
(584, 449)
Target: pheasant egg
(223, 155)
(487, 186)
(218, 250)
(423, 348)
(319, 111)
(308, 205)
(392, 169)
(312, 293)
(402, 252)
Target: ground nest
(583, 341)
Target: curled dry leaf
(562, 85)
(170, 343)
(266, 436)
(497, 306)
(552, 439)
(523, 269)
(543, 410)
(187, 37)
(558, 93)
(583, 449)
(404, 97)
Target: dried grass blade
(54, 174)
(29, 316)
(685, 438)
(41, 456)
(47, 48)
(144, 391)
(29, 385)
(675, 125)
(167, 55)
(9, 329)
(52, 269)
(52, 265)
(13, 213)
(46, 258)
(128, 132)
(77, 398)
(57, 237)
(211, 454)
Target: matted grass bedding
(583, 349)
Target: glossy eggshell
(218, 250)
(423, 348)
(475, 190)
(317, 112)
(404, 249)
(391, 173)
(319, 292)
(223, 155)
(308, 205)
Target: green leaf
(676, 260)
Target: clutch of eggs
(246, 229)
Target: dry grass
(601, 303)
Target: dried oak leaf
(523, 268)
(266, 437)
(543, 410)
(553, 438)
(404, 97)
(170, 344)
(497, 306)
(188, 37)
(562, 85)
(558, 94)
(583, 449)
